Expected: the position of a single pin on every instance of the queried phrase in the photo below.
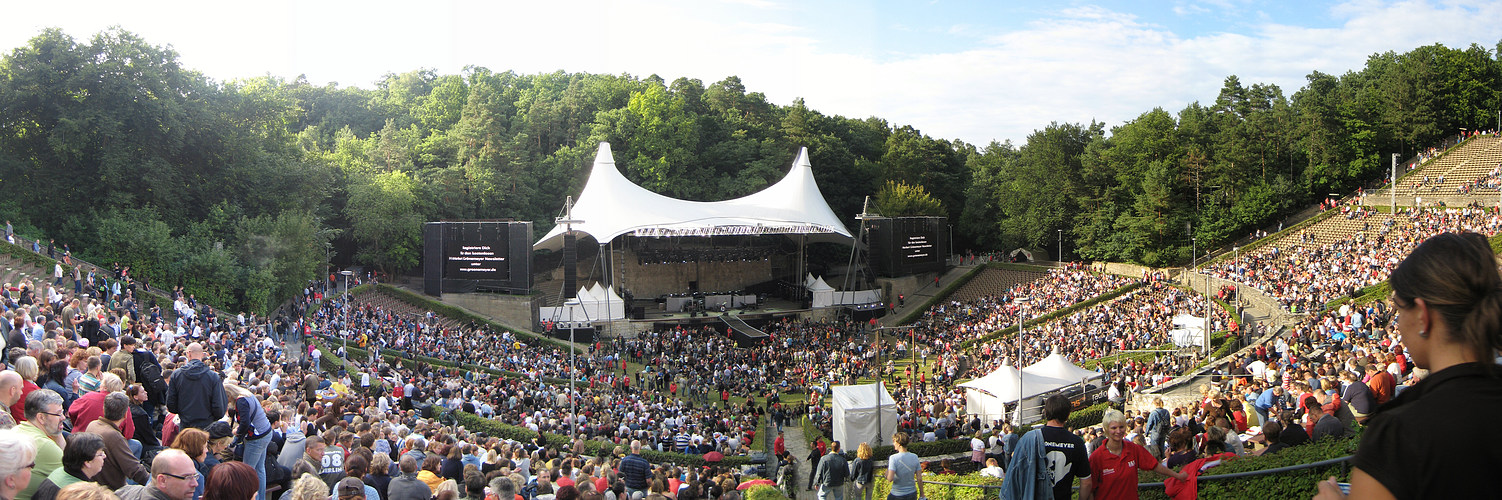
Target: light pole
(1393, 185)
(1061, 245)
(1021, 320)
(876, 340)
(573, 417)
(345, 336)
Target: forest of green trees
(241, 191)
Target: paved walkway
(1259, 309)
(792, 438)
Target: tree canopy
(242, 191)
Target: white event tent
(862, 413)
(989, 395)
(596, 303)
(826, 296)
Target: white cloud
(1073, 65)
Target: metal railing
(1343, 461)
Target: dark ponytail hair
(1456, 274)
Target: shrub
(453, 312)
(917, 312)
(475, 423)
(1295, 484)
(944, 492)
(414, 361)
(764, 492)
(1087, 416)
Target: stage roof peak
(610, 206)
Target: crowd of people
(1304, 275)
(108, 396)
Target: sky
(976, 71)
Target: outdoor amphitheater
(718, 372)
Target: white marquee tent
(611, 205)
(596, 303)
(862, 413)
(826, 296)
(988, 396)
(1188, 330)
(1055, 366)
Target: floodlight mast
(568, 222)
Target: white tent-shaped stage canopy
(862, 413)
(611, 206)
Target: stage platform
(765, 312)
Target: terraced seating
(991, 281)
(1337, 227)
(394, 305)
(1472, 159)
(14, 271)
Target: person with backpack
(1157, 427)
(196, 394)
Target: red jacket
(90, 407)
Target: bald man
(173, 477)
(10, 392)
(195, 393)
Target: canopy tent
(1188, 330)
(610, 206)
(1055, 366)
(989, 396)
(826, 296)
(862, 413)
(596, 303)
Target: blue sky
(977, 71)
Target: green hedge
(475, 423)
(1139, 356)
(1088, 416)
(412, 361)
(25, 255)
(765, 492)
(1055, 314)
(922, 449)
(1269, 239)
(943, 492)
(453, 312)
(1296, 484)
(943, 293)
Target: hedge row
(1055, 314)
(1381, 291)
(1296, 484)
(943, 293)
(1096, 363)
(1269, 239)
(1088, 416)
(458, 313)
(412, 361)
(944, 492)
(25, 255)
(475, 423)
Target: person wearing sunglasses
(17, 457)
(173, 477)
